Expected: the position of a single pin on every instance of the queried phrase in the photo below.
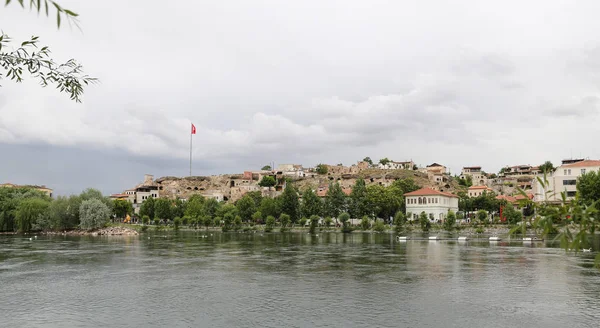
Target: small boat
(586, 250)
(433, 238)
(463, 238)
(495, 238)
(402, 238)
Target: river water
(200, 279)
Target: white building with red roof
(435, 204)
(563, 179)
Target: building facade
(476, 191)
(563, 179)
(477, 175)
(435, 204)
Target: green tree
(147, 208)
(450, 222)
(345, 220)
(335, 200)
(482, 216)
(270, 223)
(29, 212)
(399, 221)
(246, 207)
(195, 207)
(311, 203)
(384, 202)
(314, 223)
(290, 203)
(270, 206)
(67, 77)
(267, 181)
(211, 207)
(368, 160)
(547, 167)
(122, 208)
(163, 209)
(179, 207)
(588, 187)
(365, 223)
(359, 205)
(237, 223)
(512, 216)
(379, 226)
(227, 208)
(285, 221)
(424, 222)
(266, 168)
(257, 217)
(93, 214)
(384, 161)
(321, 169)
(256, 196)
(228, 219)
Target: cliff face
(231, 187)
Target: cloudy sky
(456, 82)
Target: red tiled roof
(429, 192)
(472, 167)
(119, 196)
(521, 197)
(509, 199)
(586, 163)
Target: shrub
(257, 217)
(156, 221)
(217, 221)
(285, 221)
(303, 222)
(424, 222)
(228, 219)
(482, 216)
(399, 221)
(328, 222)
(479, 230)
(345, 220)
(144, 228)
(450, 221)
(237, 223)
(314, 223)
(270, 223)
(379, 226)
(93, 214)
(176, 223)
(145, 219)
(364, 223)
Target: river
(210, 279)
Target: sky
(461, 83)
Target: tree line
(26, 209)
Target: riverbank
(108, 231)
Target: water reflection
(294, 279)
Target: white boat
(434, 237)
(495, 238)
(463, 238)
(403, 238)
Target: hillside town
(439, 193)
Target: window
(569, 172)
(565, 173)
(582, 171)
(571, 193)
(429, 200)
(569, 182)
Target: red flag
(193, 129)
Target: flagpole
(191, 134)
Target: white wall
(436, 205)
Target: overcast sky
(460, 83)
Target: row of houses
(42, 188)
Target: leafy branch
(60, 11)
(68, 77)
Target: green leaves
(68, 77)
(60, 11)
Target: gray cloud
(303, 82)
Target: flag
(193, 129)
